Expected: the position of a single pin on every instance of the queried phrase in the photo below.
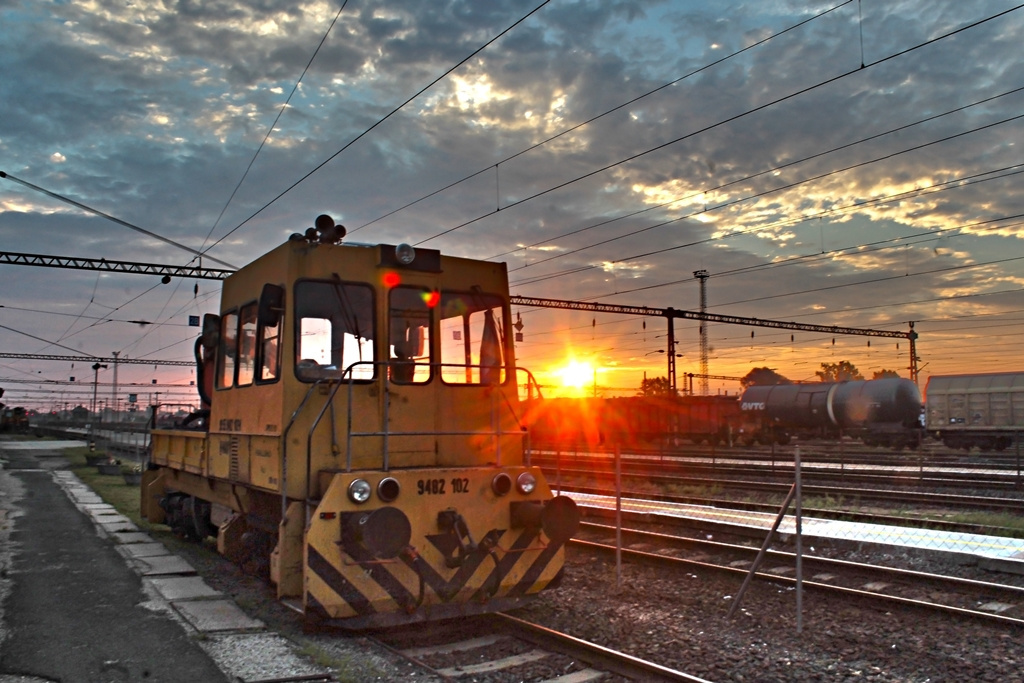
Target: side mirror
(211, 332)
(271, 305)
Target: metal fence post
(618, 517)
(799, 546)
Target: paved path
(86, 597)
(74, 610)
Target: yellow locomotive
(362, 438)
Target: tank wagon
(360, 440)
(881, 412)
(976, 411)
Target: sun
(576, 375)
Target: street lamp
(115, 401)
(95, 381)
(671, 365)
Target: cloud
(153, 112)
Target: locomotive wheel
(194, 520)
(257, 548)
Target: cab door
(411, 380)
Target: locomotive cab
(364, 443)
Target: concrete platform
(210, 616)
(53, 445)
(116, 525)
(997, 553)
(177, 588)
(163, 565)
(132, 537)
(137, 550)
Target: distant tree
(882, 374)
(762, 377)
(843, 371)
(655, 386)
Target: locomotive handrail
(284, 450)
(347, 377)
(385, 433)
(334, 432)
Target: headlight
(388, 489)
(359, 491)
(501, 484)
(526, 483)
(405, 254)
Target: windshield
(334, 329)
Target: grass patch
(824, 503)
(1014, 524)
(110, 487)
(345, 665)
(691, 491)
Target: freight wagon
(976, 411)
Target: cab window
(472, 339)
(227, 354)
(270, 350)
(334, 328)
(246, 345)
(409, 329)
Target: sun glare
(576, 375)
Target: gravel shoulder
(679, 620)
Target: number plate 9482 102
(440, 487)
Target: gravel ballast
(679, 620)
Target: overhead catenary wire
(379, 122)
(619, 107)
(97, 212)
(277, 118)
(752, 176)
(722, 122)
(717, 274)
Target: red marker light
(432, 299)
(392, 279)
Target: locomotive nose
(558, 517)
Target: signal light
(432, 299)
(391, 279)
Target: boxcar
(976, 411)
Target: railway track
(951, 595)
(841, 495)
(691, 472)
(501, 647)
(817, 453)
(895, 488)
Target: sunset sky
(850, 163)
